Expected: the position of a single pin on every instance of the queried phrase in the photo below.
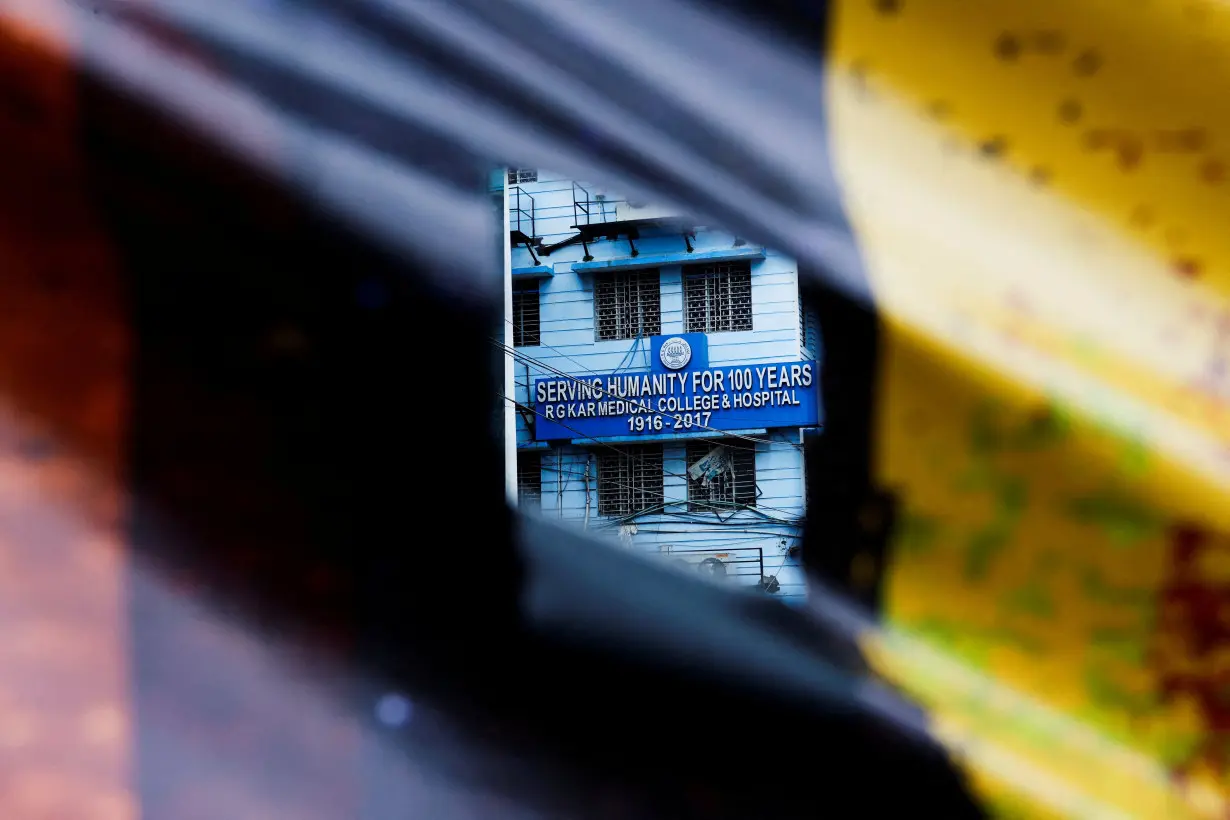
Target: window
(518, 175)
(629, 480)
(627, 305)
(718, 297)
(809, 332)
(529, 480)
(525, 314)
(731, 483)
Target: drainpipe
(588, 459)
(510, 372)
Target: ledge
(533, 272)
(582, 442)
(660, 259)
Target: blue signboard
(681, 393)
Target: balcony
(597, 218)
(522, 220)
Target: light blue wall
(568, 344)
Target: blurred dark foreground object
(285, 467)
(593, 673)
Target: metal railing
(581, 211)
(586, 209)
(521, 216)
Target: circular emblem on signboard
(676, 353)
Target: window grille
(809, 332)
(627, 305)
(526, 331)
(516, 176)
(718, 298)
(529, 480)
(735, 488)
(630, 480)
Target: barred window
(518, 175)
(718, 297)
(809, 332)
(525, 314)
(529, 480)
(734, 485)
(630, 480)
(627, 305)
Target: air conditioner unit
(713, 568)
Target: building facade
(664, 377)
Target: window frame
(521, 336)
(743, 490)
(809, 331)
(716, 280)
(529, 464)
(648, 311)
(522, 176)
(630, 479)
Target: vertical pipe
(510, 386)
(588, 459)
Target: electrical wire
(600, 393)
(731, 507)
(626, 454)
(663, 527)
(621, 484)
(722, 506)
(629, 357)
(713, 544)
(717, 545)
(524, 357)
(721, 434)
